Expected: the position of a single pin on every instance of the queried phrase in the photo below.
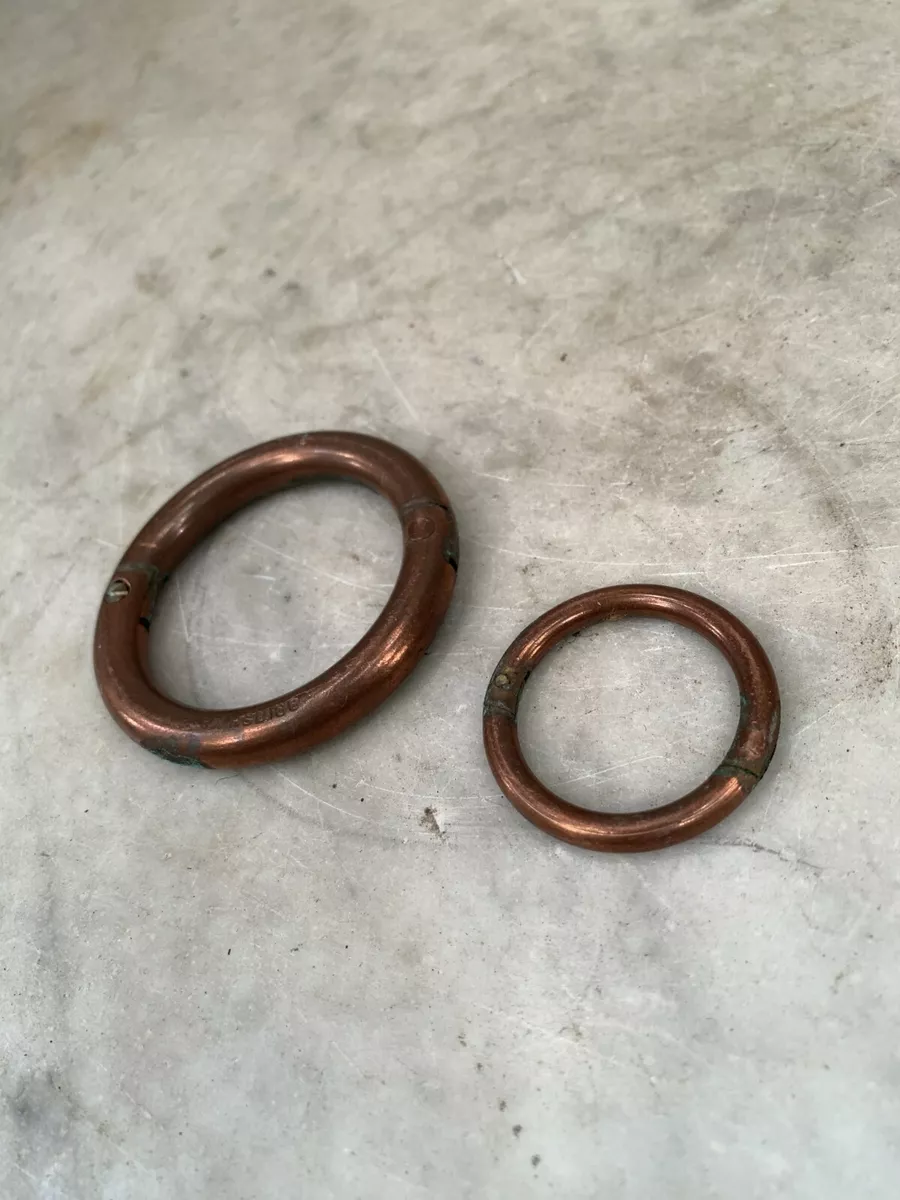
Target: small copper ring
(732, 781)
(362, 679)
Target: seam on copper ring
(156, 582)
(422, 502)
(346, 691)
(729, 784)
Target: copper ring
(732, 781)
(366, 675)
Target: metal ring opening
(733, 780)
(360, 681)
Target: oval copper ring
(356, 684)
(732, 781)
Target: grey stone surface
(625, 276)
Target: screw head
(419, 528)
(117, 590)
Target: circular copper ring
(731, 782)
(318, 710)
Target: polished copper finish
(731, 782)
(377, 664)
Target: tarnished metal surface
(732, 781)
(318, 710)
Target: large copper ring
(732, 781)
(318, 710)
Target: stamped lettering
(271, 713)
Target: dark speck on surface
(517, 1129)
(429, 821)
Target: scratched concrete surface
(625, 276)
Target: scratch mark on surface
(496, 607)
(401, 395)
(362, 587)
(779, 191)
(348, 1060)
(320, 801)
(821, 555)
(365, 783)
(537, 333)
(262, 904)
(27, 1174)
(827, 713)
(555, 1035)
(789, 566)
(215, 637)
(145, 1112)
(584, 562)
(184, 624)
(875, 411)
(759, 848)
(676, 574)
(660, 900)
(514, 273)
(629, 762)
(651, 1031)
(488, 475)
(658, 330)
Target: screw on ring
(117, 590)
